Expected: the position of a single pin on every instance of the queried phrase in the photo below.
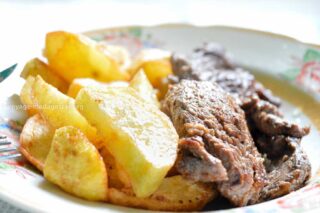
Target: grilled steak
(286, 174)
(211, 63)
(196, 163)
(276, 138)
(215, 140)
(268, 119)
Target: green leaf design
(97, 37)
(291, 74)
(311, 55)
(5, 166)
(136, 31)
(5, 73)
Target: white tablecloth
(23, 23)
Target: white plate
(294, 64)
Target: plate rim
(190, 25)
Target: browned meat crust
(273, 135)
(268, 119)
(211, 63)
(197, 164)
(276, 146)
(209, 121)
(286, 175)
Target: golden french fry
(118, 53)
(76, 56)
(174, 194)
(155, 63)
(142, 85)
(141, 138)
(117, 177)
(75, 165)
(36, 67)
(35, 140)
(26, 96)
(163, 88)
(79, 83)
(59, 109)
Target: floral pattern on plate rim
(305, 71)
(134, 38)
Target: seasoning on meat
(275, 137)
(209, 121)
(197, 164)
(268, 119)
(211, 63)
(286, 175)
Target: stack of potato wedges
(95, 128)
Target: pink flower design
(310, 75)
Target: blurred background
(23, 23)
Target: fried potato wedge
(79, 83)
(174, 194)
(75, 165)
(59, 109)
(163, 88)
(76, 56)
(35, 140)
(26, 96)
(141, 138)
(36, 67)
(117, 177)
(142, 85)
(118, 53)
(155, 63)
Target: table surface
(24, 22)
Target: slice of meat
(197, 164)
(287, 166)
(211, 63)
(214, 56)
(276, 146)
(268, 119)
(204, 114)
(265, 94)
(286, 175)
(275, 137)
